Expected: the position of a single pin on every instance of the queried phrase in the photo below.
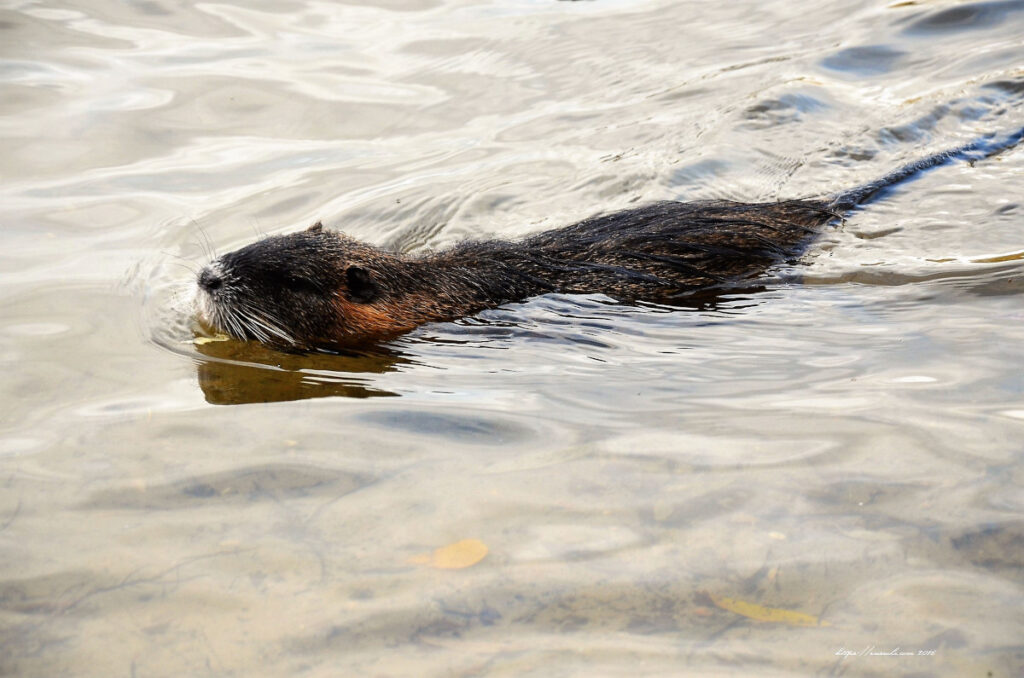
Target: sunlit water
(847, 444)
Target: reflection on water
(662, 491)
(247, 372)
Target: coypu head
(312, 289)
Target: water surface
(845, 444)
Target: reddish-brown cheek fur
(380, 319)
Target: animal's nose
(209, 279)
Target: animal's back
(669, 248)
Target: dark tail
(985, 147)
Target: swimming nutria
(319, 289)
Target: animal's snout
(210, 279)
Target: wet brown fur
(320, 290)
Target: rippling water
(661, 491)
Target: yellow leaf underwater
(455, 556)
(765, 614)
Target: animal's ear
(316, 228)
(362, 288)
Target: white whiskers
(241, 320)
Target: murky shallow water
(849, 445)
